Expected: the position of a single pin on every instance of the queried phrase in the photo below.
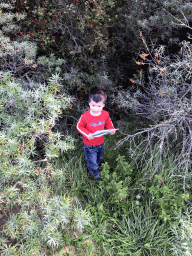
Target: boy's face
(95, 107)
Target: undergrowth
(49, 206)
(134, 213)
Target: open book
(102, 132)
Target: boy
(93, 120)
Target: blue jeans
(93, 155)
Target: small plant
(169, 201)
(117, 182)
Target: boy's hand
(113, 132)
(90, 137)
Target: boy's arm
(109, 125)
(81, 127)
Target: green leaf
(109, 2)
(185, 196)
(152, 189)
(148, 245)
(165, 190)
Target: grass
(55, 209)
(138, 228)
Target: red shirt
(89, 124)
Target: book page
(102, 132)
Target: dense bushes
(36, 217)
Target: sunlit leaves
(143, 56)
(132, 81)
(139, 63)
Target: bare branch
(181, 23)
(167, 103)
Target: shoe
(98, 179)
(93, 178)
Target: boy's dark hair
(97, 94)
